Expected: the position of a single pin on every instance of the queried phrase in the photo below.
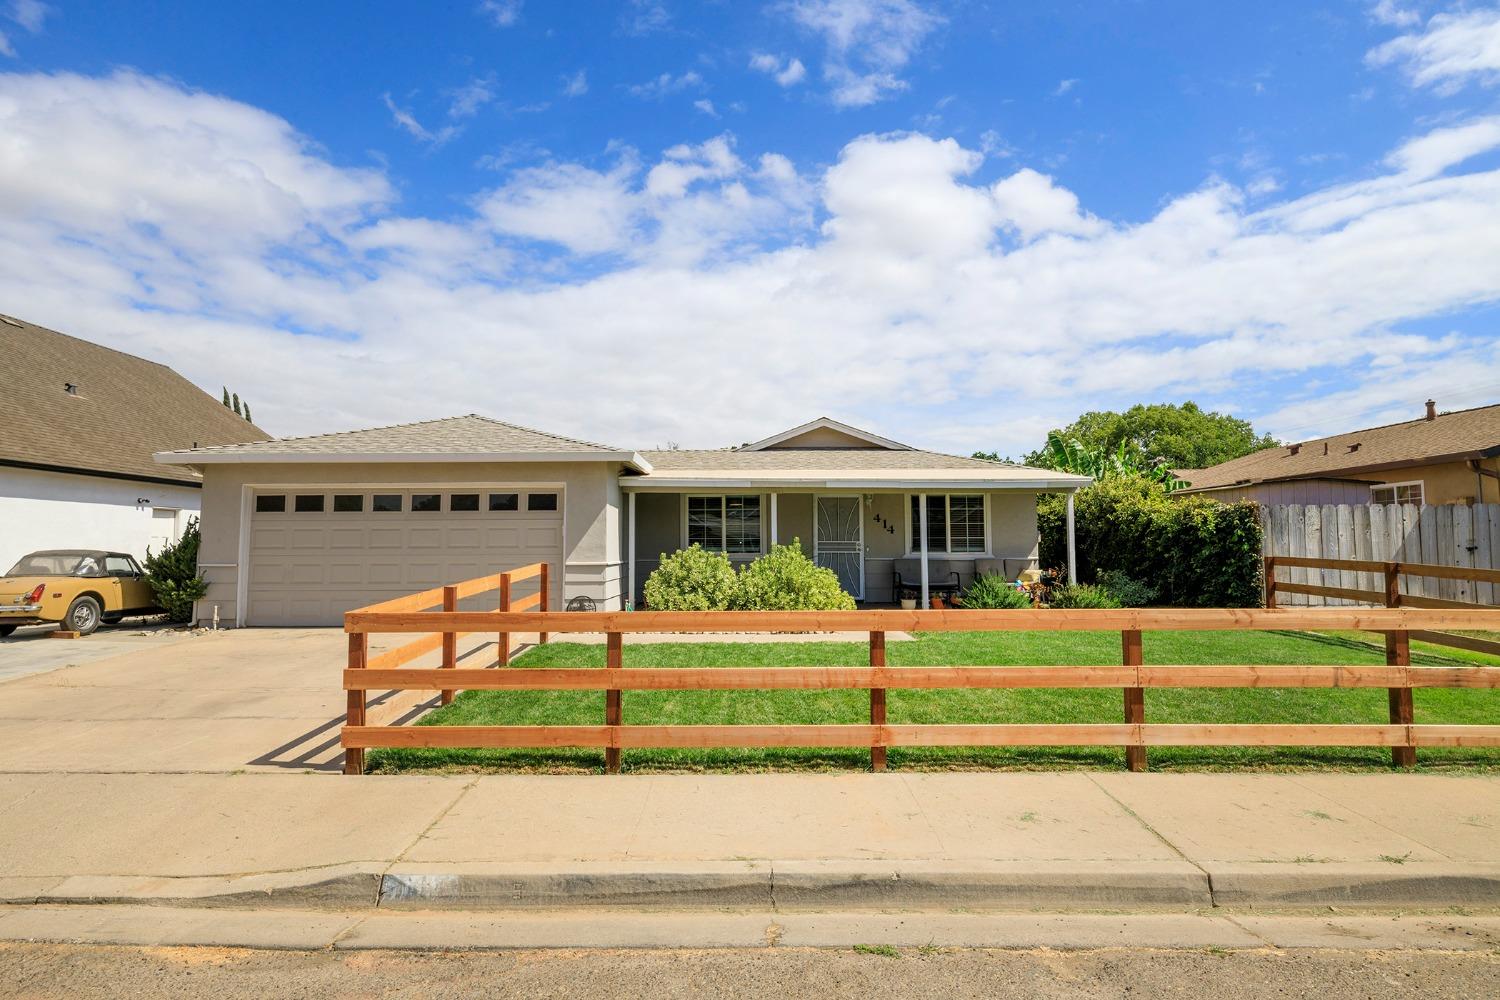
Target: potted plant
(908, 599)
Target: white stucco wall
(53, 510)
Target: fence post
(542, 637)
(502, 641)
(613, 660)
(359, 652)
(1270, 572)
(450, 642)
(877, 700)
(1393, 585)
(1135, 697)
(1398, 654)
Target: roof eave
(201, 458)
(843, 483)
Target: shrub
(993, 591)
(692, 579)
(1131, 593)
(1083, 595)
(173, 575)
(784, 579)
(1195, 551)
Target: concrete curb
(1381, 884)
(336, 887)
(545, 885)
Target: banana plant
(1071, 455)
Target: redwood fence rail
(1132, 675)
(1348, 574)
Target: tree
(1181, 437)
(173, 575)
(237, 405)
(1071, 455)
(226, 397)
(247, 412)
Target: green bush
(1196, 552)
(1130, 592)
(692, 579)
(993, 591)
(173, 575)
(1083, 595)
(784, 579)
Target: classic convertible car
(77, 588)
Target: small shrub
(173, 575)
(1131, 593)
(784, 579)
(1083, 595)
(692, 579)
(993, 591)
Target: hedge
(1196, 551)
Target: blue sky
(957, 223)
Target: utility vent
(1354, 446)
(1294, 449)
(71, 388)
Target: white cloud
(867, 43)
(405, 120)
(6, 48)
(654, 294)
(29, 14)
(785, 71)
(503, 13)
(576, 84)
(666, 84)
(1063, 86)
(706, 107)
(1393, 13)
(468, 99)
(1452, 50)
(642, 17)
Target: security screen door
(838, 541)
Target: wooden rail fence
(1132, 675)
(1390, 595)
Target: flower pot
(908, 604)
(937, 602)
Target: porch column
(774, 536)
(922, 530)
(1072, 545)
(630, 548)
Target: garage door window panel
(541, 501)
(348, 503)
(386, 503)
(500, 502)
(463, 502)
(270, 504)
(309, 503)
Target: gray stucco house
(300, 530)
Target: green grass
(1231, 705)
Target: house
(81, 424)
(1440, 458)
(298, 531)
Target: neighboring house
(81, 423)
(1440, 458)
(298, 531)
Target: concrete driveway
(30, 650)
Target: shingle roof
(1452, 436)
(467, 435)
(126, 408)
(841, 459)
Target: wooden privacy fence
(1132, 675)
(446, 599)
(1348, 584)
(1455, 536)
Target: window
(955, 523)
(270, 504)
(1397, 493)
(541, 501)
(505, 501)
(309, 503)
(463, 501)
(386, 503)
(724, 524)
(119, 566)
(426, 503)
(348, 503)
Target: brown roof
(1448, 437)
(842, 459)
(126, 408)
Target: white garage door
(316, 553)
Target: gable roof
(125, 408)
(1447, 437)
(469, 438)
(787, 438)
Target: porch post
(1072, 545)
(630, 548)
(774, 536)
(922, 530)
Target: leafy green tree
(247, 412)
(1181, 437)
(237, 405)
(226, 397)
(1071, 455)
(173, 575)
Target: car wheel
(83, 616)
(6, 630)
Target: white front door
(839, 540)
(163, 529)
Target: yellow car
(77, 588)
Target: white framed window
(956, 523)
(1389, 493)
(729, 524)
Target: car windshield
(58, 564)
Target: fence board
(1297, 546)
(1364, 548)
(1484, 591)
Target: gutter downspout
(1072, 543)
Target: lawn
(1285, 705)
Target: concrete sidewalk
(776, 842)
